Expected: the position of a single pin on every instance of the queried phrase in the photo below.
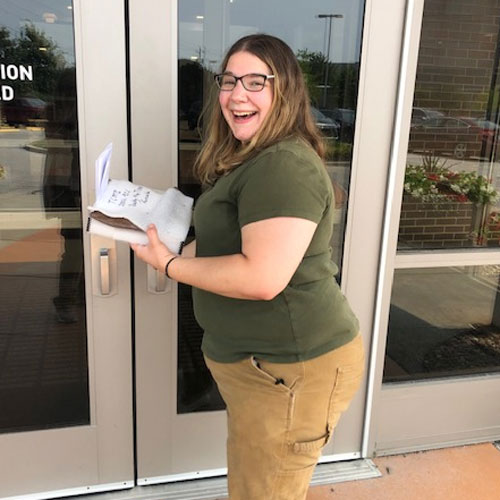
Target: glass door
(65, 350)
(443, 326)
(175, 49)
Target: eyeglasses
(253, 82)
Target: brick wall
(444, 224)
(457, 53)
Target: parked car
(330, 128)
(447, 135)
(345, 118)
(489, 129)
(420, 115)
(490, 133)
(24, 110)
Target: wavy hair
(289, 115)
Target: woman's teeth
(243, 114)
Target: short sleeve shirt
(310, 316)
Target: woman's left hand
(155, 253)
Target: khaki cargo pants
(280, 415)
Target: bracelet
(167, 264)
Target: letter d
(7, 93)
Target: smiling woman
(203, 36)
(277, 330)
(245, 110)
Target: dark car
(447, 135)
(24, 110)
(421, 115)
(330, 128)
(345, 118)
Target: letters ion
(13, 72)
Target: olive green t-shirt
(310, 316)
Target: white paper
(102, 166)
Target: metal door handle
(161, 281)
(157, 282)
(104, 270)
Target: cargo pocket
(306, 453)
(305, 447)
(303, 454)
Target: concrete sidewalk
(463, 473)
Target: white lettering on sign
(13, 72)
(6, 93)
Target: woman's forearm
(211, 274)
(271, 252)
(230, 275)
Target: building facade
(102, 382)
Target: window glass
(451, 192)
(326, 37)
(43, 343)
(443, 322)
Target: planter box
(438, 224)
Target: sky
(208, 27)
(295, 21)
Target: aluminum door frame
(411, 416)
(100, 456)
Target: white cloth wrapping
(170, 211)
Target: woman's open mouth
(243, 116)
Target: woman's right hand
(155, 253)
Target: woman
(279, 337)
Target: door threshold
(216, 488)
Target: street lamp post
(329, 17)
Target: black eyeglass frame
(236, 78)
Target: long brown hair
(289, 116)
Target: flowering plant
(438, 183)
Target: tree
(6, 45)
(313, 67)
(342, 80)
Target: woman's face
(243, 110)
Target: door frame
(420, 415)
(99, 456)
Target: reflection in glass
(452, 182)
(328, 49)
(43, 345)
(443, 322)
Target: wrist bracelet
(167, 264)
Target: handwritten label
(136, 197)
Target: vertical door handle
(104, 270)
(157, 282)
(161, 281)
